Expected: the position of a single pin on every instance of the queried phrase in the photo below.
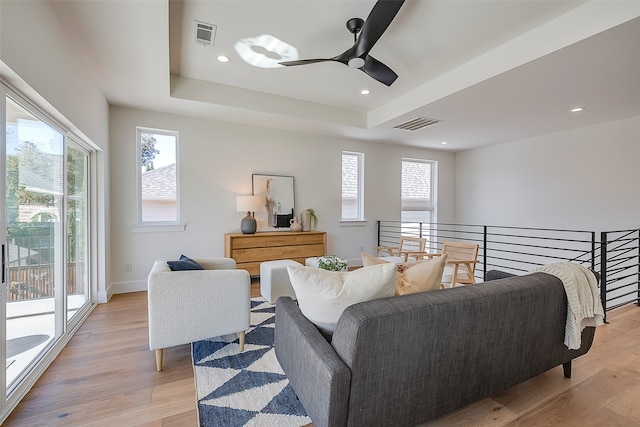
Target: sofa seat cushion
(415, 276)
(323, 295)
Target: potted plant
(332, 263)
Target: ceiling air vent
(204, 33)
(417, 124)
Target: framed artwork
(278, 205)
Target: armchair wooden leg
(472, 278)
(241, 337)
(454, 276)
(159, 360)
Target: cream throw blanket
(584, 307)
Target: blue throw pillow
(184, 263)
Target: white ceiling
(492, 71)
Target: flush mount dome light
(265, 51)
(577, 109)
(356, 62)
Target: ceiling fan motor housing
(354, 25)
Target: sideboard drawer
(249, 250)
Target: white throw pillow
(323, 295)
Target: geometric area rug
(248, 388)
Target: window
(417, 193)
(157, 177)
(352, 186)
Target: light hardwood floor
(106, 377)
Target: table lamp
(248, 204)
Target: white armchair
(188, 306)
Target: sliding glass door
(77, 234)
(45, 237)
(33, 218)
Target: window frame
(142, 225)
(360, 213)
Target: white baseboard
(125, 287)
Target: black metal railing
(620, 267)
(615, 255)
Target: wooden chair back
(406, 245)
(458, 251)
(412, 244)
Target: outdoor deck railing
(36, 281)
(613, 254)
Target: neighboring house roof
(43, 178)
(159, 184)
(416, 180)
(349, 176)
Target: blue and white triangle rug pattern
(248, 388)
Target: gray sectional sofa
(405, 360)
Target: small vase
(295, 225)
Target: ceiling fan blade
(376, 24)
(378, 71)
(304, 61)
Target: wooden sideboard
(249, 250)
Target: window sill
(353, 223)
(154, 228)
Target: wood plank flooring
(106, 377)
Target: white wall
(33, 44)
(38, 60)
(216, 161)
(583, 179)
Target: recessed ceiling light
(365, 92)
(444, 142)
(223, 58)
(577, 109)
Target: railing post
(593, 250)
(420, 223)
(378, 244)
(638, 264)
(603, 272)
(484, 253)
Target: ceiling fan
(370, 31)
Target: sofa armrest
(320, 379)
(192, 305)
(217, 263)
(497, 274)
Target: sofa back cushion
(460, 344)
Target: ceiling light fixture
(356, 63)
(223, 58)
(444, 142)
(365, 92)
(577, 109)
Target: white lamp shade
(248, 203)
